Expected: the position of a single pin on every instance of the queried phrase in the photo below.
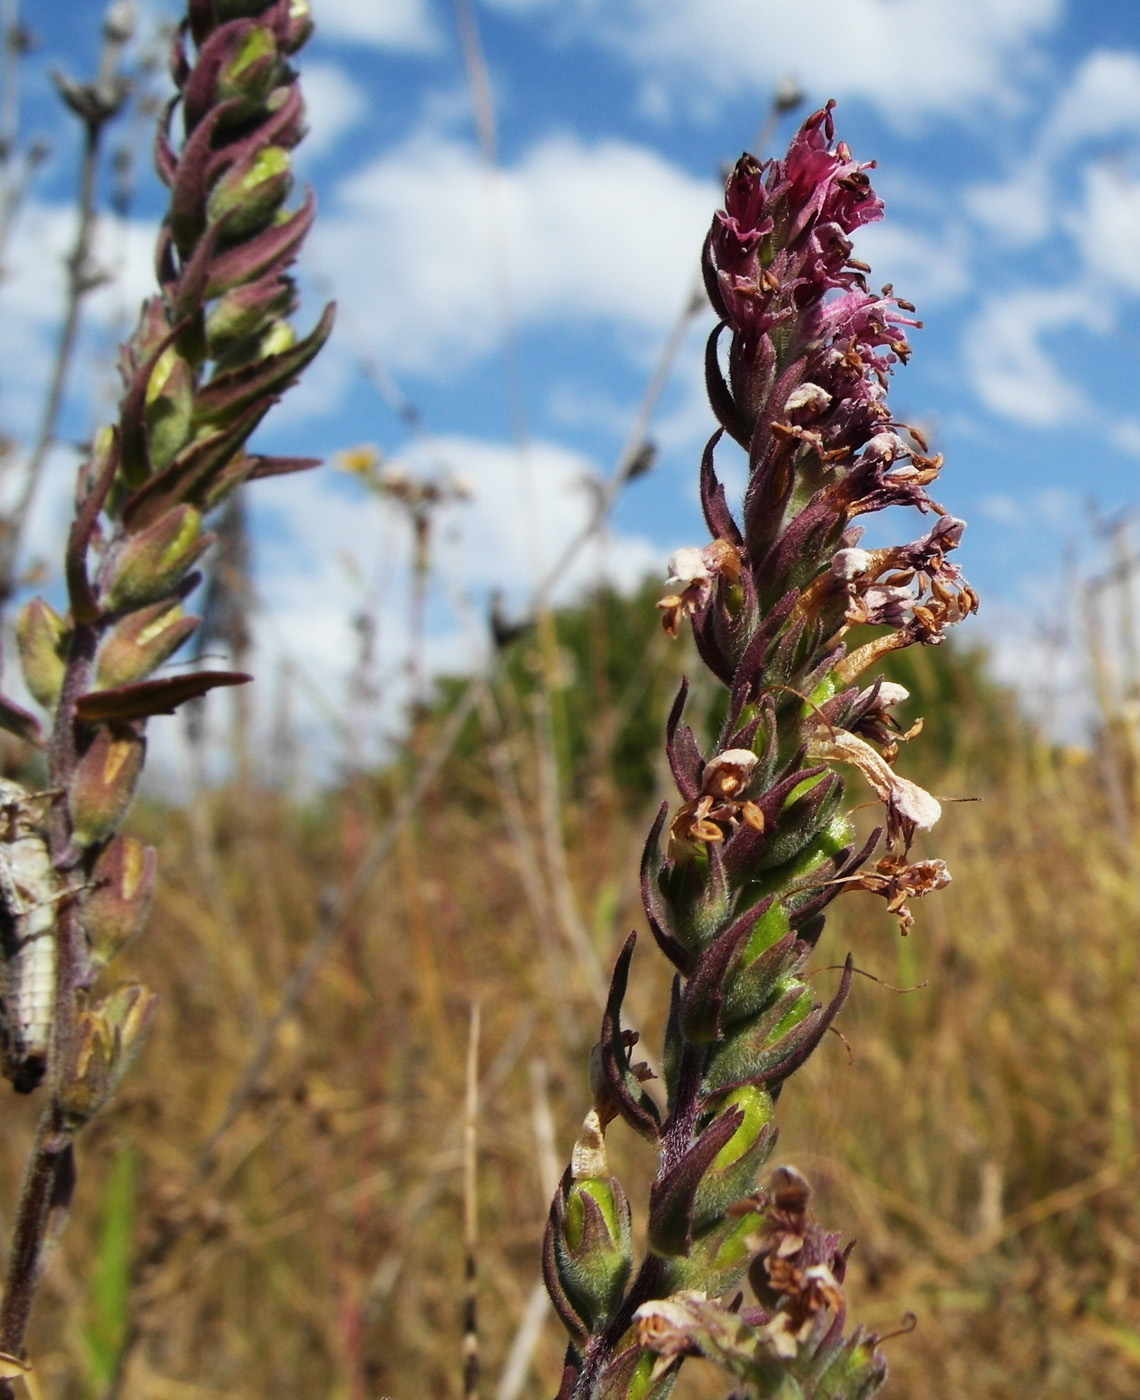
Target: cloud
(1102, 100)
(417, 241)
(1011, 372)
(334, 104)
(406, 25)
(1016, 212)
(925, 269)
(323, 548)
(1107, 228)
(967, 52)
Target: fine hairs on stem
(213, 350)
(736, 883)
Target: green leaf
(106, 1332)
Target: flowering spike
(761, 840)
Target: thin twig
(471, 1213)
(537, 1309)
(81, 280)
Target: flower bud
(141, 642)
(251, 191)
(246, 310)
(116, 909)
(157, 558)
(735, 1170)
(169, 407)
(104, 782)
(41, 637)
(249, 77)
(278, 337)
(300, 24)
(593, 1246)
(107, 1037)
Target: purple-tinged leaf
(158, 697)
(134, 445)
(709, 274)
(551, 1274)
(281, 466)
(798, 1045)
(84, 606)
(272, 251)
(714, 502)
(16, 720)
(720, 396)
(165, 160)
(629, 1099)
(188, 476)
(673, 1195)
(200, 92)
(191, 188)
(681, 747)
(283, 127)
(750, 673)
(656, 909)
(703, 998)
(231, 393)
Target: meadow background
(512, 197)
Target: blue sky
(1007, 135)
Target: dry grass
(980, 1142)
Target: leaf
(111, 1283)
(160, 697)
(19, 722)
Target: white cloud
(1102, 100)
(406, 25)
(1016, 212)
(1012, 373)
(1125, 436)
(609, 232)
(1107, 228)
(334, 104)
(926, 270)
(964, 52)
(522, 514)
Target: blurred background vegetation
(974, 1127)
(273, 1204)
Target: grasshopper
(28, 900)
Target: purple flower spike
(761, 840)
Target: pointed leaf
(714, 502)
(271, 251)
(231, 393)
(656, 910)
(18, 721)
(631, 1101)
(674, 1192)
(158, 697)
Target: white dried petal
(811, 397)
(891, 693)
(915, 804)
(848, 564)
(686, 566)
(912, 803)
(889, 446)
